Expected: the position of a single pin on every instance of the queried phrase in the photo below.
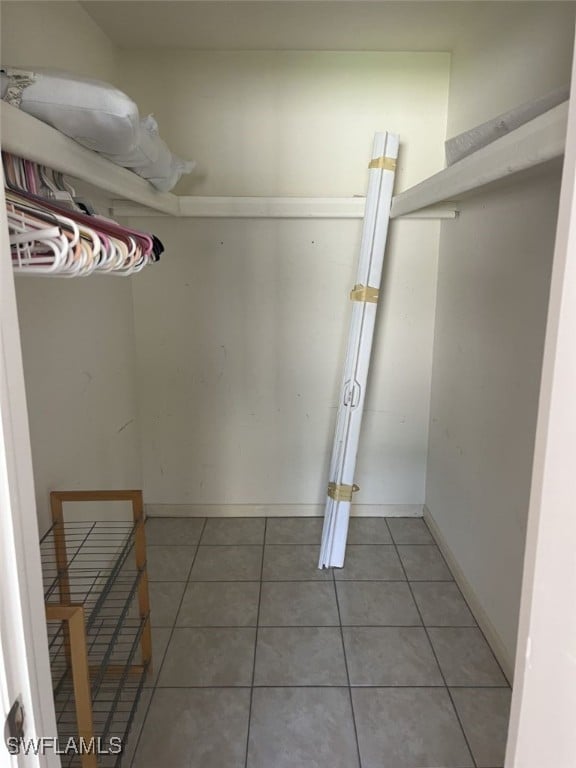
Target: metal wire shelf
(89, 557)
(115, 702)
(97, 608)
(103, 631)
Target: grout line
(447, 689)
(394, 543)
(255, 648)
(292, 544)
(207, 581)
(324, 685)
(395, 581)
(157, 678)
(265, 581)
(232, 544)
(390, 543)
(322, 626)
(335, 585)
(300, 581)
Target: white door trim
(542, 724)
(22, 619)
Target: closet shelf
(532, 144)
(97, 569)
(25, 136)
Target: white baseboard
(484, 622)
(277, 510)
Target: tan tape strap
(387, 163)
(341, 492)
(365, 293)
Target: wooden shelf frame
(73, 616)
(535, 143)
(90, 627)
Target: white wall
(507, 54)
(241, 332)
(78, 349)
(241, 328)
(493, 284)
(60, 35)
(291, 122)
(491, 313)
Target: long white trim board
(278, 510)
(365, 295)
(216, 207)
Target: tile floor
(263, 661)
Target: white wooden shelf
(25, 136)
(275, 208)
(534, 143)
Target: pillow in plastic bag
(98, 116)
(151, 158)
(93, 113)
(145, 149)
(168, 181)
(165, 169)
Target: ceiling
(419, 25)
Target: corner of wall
(492, 635)
(57, 35)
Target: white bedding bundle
(459, 147)
(98, 116)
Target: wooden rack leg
(74, 616)
(61, 551)
(61, 554)
(143, 595)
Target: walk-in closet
(194, 196)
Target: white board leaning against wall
(353, 394)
